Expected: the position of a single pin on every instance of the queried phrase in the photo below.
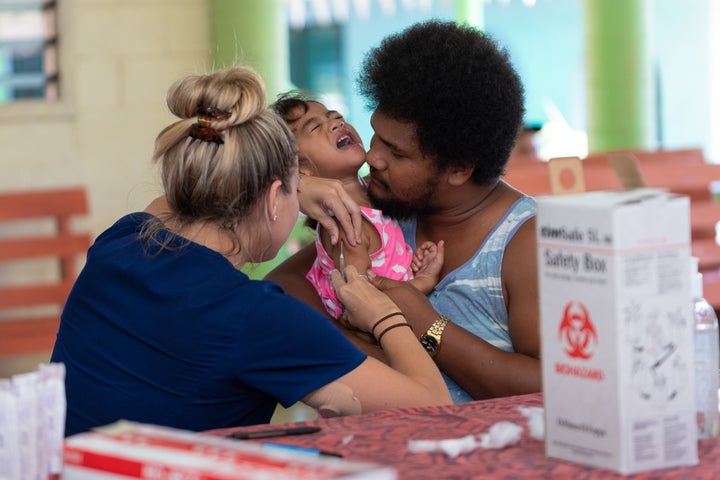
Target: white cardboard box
(617, 329)
(126, 450)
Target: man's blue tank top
(471, 296)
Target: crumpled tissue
(536, 422)
(500, 435)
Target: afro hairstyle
(456, 86)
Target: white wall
(714, 97)
(686, 56)
(118, 59)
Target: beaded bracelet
(389, 315)
(405, 324)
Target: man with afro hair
(447, 107)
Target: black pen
(278, 432)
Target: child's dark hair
(288, 102)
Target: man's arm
(495, 372)
(520, 283)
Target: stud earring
(274, 219)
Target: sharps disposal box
(616, 329)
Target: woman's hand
(418, 310)
(326, 201)
(364, 303)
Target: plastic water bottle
(707, 362)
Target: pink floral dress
(392, 260)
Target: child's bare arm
(358, 255)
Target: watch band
(438, 327)
(433, 337)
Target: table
(382, 437)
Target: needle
(342, 262)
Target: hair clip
(202, 130)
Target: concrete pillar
(253, 33)
(470, 12)
(620, 80)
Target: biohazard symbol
(576, 332)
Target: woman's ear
(273, 197)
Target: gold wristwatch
(433, 337)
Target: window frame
(30, 109)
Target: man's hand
(326, 201)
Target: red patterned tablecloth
(382, 438)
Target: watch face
(430, 343)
